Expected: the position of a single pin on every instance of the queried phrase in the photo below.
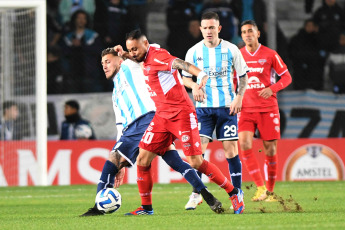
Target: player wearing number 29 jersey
(217, 105)
(219, 63)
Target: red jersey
(263, 64)
(165, 84)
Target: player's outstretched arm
(192, 69)
(198, 94)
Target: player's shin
(235, 168)
(252, 166)
(145, 185)
(270, 171)
(108, 176)
(214, 173)
(175, 162)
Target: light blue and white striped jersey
(219, 64)
(131, 98)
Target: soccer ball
(108, 200)
(83, 131)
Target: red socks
(252, 166)
(214, 173)
(270, 172)
(145, 184)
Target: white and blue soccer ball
(108, 200)
(83, 131)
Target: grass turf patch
(304, 205)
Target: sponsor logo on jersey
(256, 70)
(199, 59)
(254, 83)
(313, 162)
(224, 56)
(262, 61)
(185, 138)
(214, 72)
(186, 145)
(151, 92)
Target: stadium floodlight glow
(11, 14)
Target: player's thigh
(145, 157)
(127, 145)
(227, 128)
(206, 123)
(269, 125)
(157, 138)
(184, 127)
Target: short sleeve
(239, 63)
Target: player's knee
(117, 160)
(195, 161)
(245, 145)
(143, 161)
(271, 151)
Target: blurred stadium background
(40, 71)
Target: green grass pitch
(306, 205)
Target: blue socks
(199, 175)
(235, 168)
(108, 176)
(175, 162)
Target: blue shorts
(127, 145)
(219, 119)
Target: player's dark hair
(7, 105)
(249, 22)
(134, 35)
(209, 15)
(109, 51)
(73, 104)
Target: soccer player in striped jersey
(134, 110)
(217, 106)
(260, 108)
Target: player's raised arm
(122, 53)
(192, 69)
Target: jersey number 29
(230, 131)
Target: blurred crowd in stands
(78, 30)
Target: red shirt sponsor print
(263, 64)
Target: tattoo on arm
(180, 64)
(242, 85)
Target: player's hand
(198, 94)
(236, 105)
(265, 93)
(119, 49)
(119, 178)
(203, 81)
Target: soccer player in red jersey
(260, 108)
(175, 118)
